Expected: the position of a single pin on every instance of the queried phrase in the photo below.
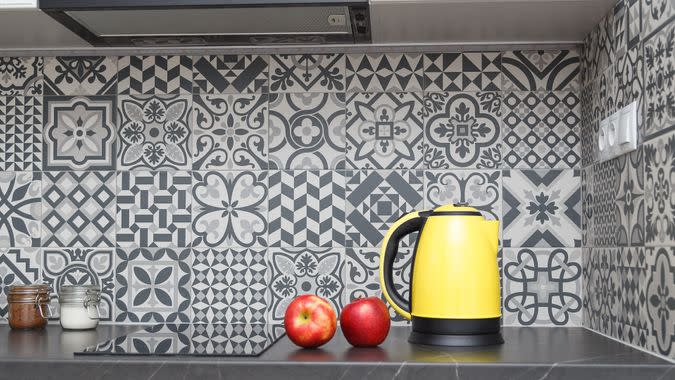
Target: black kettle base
(472, 340)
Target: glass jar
(28, 306)
(79, 306)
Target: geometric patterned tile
(462, 130)
(550, 70)
(605, 178)
(619, 28)
(21, 75)
(376, 199)
(542, 286)
(633, 322)
(382, 72)
(363, 271)
(154, 132)
(230, 209)
(599, 48)
(20, 209)
(656, 13)
(155, 75)
(230, 132)
(153, 285)
(480, 189)
(79, 133)
(307, 73)
(633, 23)
(542, 130)
(78, 209)
(82, 267)
(80, 75)
(602, 291)
(229, 286)
(659, 113)
(153, 209)
(307, 208)
(588, 196)
(230, 74)
(659, 183)
(307, 131)
(629, 73)
(630, 203)
(661, 299)
(588, 129)
(542, 208)
(17, 266)
(297, 271)
(462, 72)
(21, 133)
(384, 131)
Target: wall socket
(618, 133)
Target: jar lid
(29, 289)
(79, 293)
(32, 293)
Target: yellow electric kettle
(454, 288)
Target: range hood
(154, 23)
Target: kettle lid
(456, 209)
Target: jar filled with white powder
(79, 306)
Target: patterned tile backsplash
(217, 188)
(628, 227)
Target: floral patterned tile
(481, 189)
(154, 132)
(659, 156)
(602, 290)
(21, 75)
(79, 133)
(384, 131)
(17, 266)
(659, 71)
(630, 201)
(307, 73)
(80, 75)
(462, 130)
(660, 296)
(20, 209)
(633, 321)
(230, 209)
(655, 14)
(152, 285)
(230, 132)
(307, 131)
(297, 271)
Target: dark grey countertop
(529, 353)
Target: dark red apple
(365, 322)
(310, 321)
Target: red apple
(365, 322)
(310, 321)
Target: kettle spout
(491, 229)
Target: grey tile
(659, 57)
(603, 291)
(588, 196)
(481, 189)
(155, 75)
(660, 296)
(633, 322)
(550, 70)
(605, 178)
(384, 72)
(462, 71)
(22, 76)
(659, 156)
(656, 13)
(82, 75)
(20, 209)
(231, 74)
(630, 202)
(307, 73)
(21, 133)
(17, 266)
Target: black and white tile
(154, 132)
(231, 74)
(588, 197)
(462, 130)
(229, 286)
(542, 286)
(549, 70)
(230, 209)
(588, 127)
(297, 271)
(480, 189)
(659, 199)
(21, 75)
(78, 209)
(462, 71)
(79, 133)
(306, 208)
(619, 32)
(659, 80)
(390, 72)
(630, 76)
(542, 129)
(541, 208)
(307, 131)
(660, 287)
(630, 202)
(602, 290)
(230, 132)
(80, 75)
(307, 73)
(633, 23)
(384, 131)
(633, 322)
(656, 13)
(20, 209)
(155, 75)
(152, 285)
(17, 266)
(363, 271)
(21, 133)
(605, 213)
(376, 199)
(153, 209)
(82, 266)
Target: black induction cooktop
(192, 340)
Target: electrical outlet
(618, 133)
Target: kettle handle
(407, 224)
